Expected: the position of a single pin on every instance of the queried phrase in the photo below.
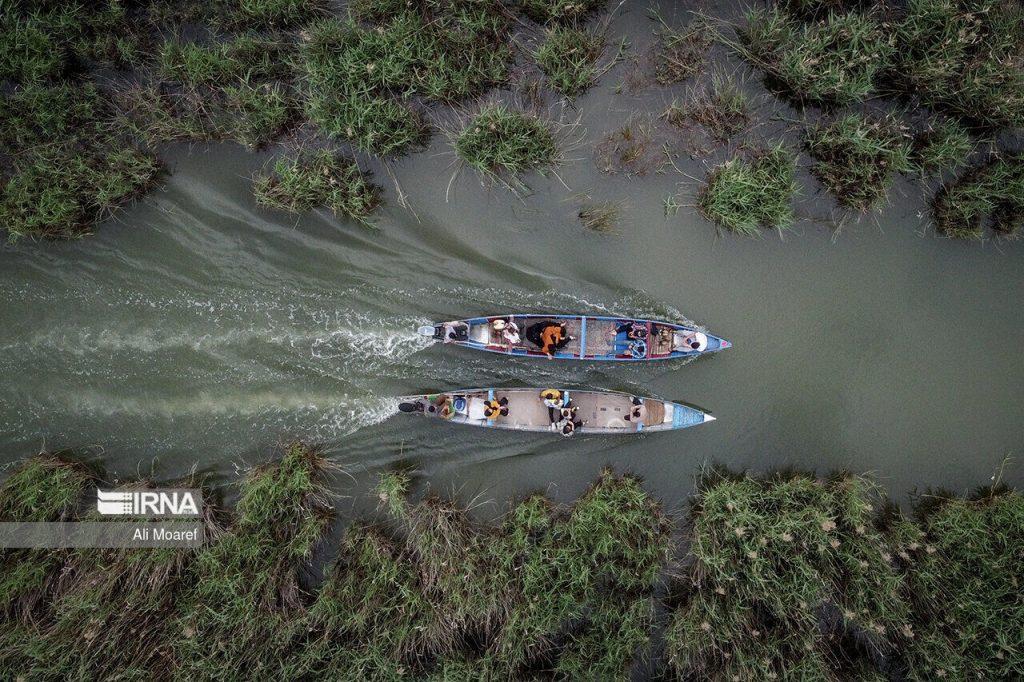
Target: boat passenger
(636, 410)
(569, 428)
(552, 397)
(633, 330)
(456, 331)
(508, 330)
(694, 341)
(496, 408)
(549, 336)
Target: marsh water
(197, 330)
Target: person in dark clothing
(549, 336)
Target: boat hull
(594, 338)
(602, 412)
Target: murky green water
(198, 329)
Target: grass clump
(784, 569)
(278, 13)
(629, 149)
(962, 565)
(568, 57)
(963, 57)
(722, 109)
(600, 217)
(45, 488)
(502, 142)
(240, 58)
(318, 179)
(994, 189)
(241, 609)
(943, 145)
(680, 54)
(259, 113)
(856, 156)
(564, 11)
(34, 46)
(746, 195)
(833, 60)
(361, 80)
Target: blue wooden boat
(537, 409)
(583, 337)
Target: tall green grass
(362, 79)
(504, 143)
(832, 60)
(857, 156)
(963, 57)
(994, 189)
(318, 179)
(746, 195)
(781, 576)
(568, 57)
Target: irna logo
(148, 502)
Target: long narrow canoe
(601, 412)
(593, 337)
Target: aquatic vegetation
(502, 142)
(963, 57)
(221, 63)
(630, 148)
(316, 179)
(278, 13)
(259, 113)
(680, 53)
(244, 602)
(361, 79)
(71, 162)
(568, 57)
(784, 570)
(746, 195)
(962, 565)
(600, 217)
(943, 145)
(832, 60)
(857, 155)
(782, 576)
(994, 189)
(722, 109)
(559, 10)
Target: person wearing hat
(694, 342)
(508, 330)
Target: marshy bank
(777, 576)
(871, 91)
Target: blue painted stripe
(583, 337)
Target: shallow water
(196, 329)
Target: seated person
(496, 408)
(456, 331)
(507, 330)
(694, 341)
(633, 330)
(569, 428)
(549, 336)
(552, 397)
(636, 411)
(559, 414)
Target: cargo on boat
(563, 411)
(577, 337)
